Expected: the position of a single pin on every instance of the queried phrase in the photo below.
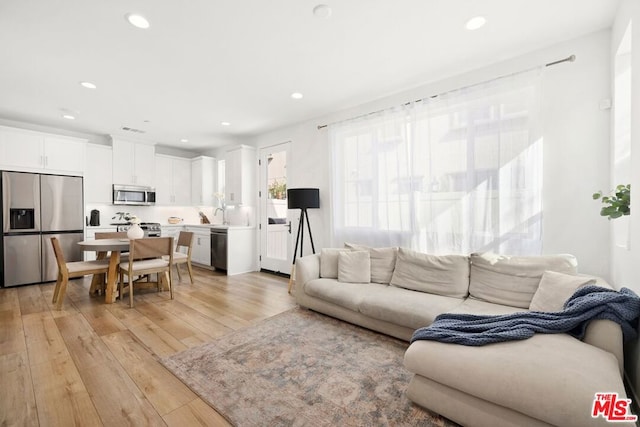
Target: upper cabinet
(240, 176)
(203, 181)
(33, 151)
(133, 163)
(98, 174)
(173, 180)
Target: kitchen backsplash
(237, 216)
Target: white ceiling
(206, 61)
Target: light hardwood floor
(93, 364)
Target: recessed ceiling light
(322, 11)
(296, 95)
(475, 23)
(138, 21)
(184, 140)
(88, 85)
(225, 123)
(68, 117)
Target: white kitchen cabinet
(241, 250)
(201, 249)
(64, 154)
(173, 180)
(171, 231)
(240, 176)
(133, 163)
(98, 174)
(33, 151)
(203, 181)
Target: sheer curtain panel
(456, 173)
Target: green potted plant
(617, 203)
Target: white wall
(576, 146)
(625, 265)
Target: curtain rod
(570, 58)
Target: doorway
(276, 252)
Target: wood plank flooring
(93, 364)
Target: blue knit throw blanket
(586, 304)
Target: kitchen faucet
(224, 216)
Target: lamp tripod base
(300, 240)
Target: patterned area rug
(303, 368)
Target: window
(622, 130)
(456, 173)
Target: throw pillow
(512, 280)
(383, 261)
(446, 275)
(354, 267)
(555, 289)
(329, 262)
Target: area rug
(303, 368)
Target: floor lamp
(303, 199)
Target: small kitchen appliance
(94, 219)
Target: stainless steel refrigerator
(36, 207)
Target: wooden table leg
(97, 282)
(110, 294)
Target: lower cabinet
(171, 231)
(201, 250)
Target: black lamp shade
(303, 198)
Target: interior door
(276, 252)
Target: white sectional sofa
(549, 379)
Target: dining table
(102, 247)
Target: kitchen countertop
(210, 226)
(205, 226)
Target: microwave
(133, 195)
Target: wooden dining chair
(72, 270)
(146, 257)
(182, 254)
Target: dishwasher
(219, 248)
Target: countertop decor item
(135, 232)
(203, 218)
(174, 220)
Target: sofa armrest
(307, 268)
(606, 335)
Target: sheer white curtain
(456, 173)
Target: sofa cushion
(347, 295)
(551, 377)
(483, 308)
(383, 261)
(555, 289)
(512, 280)
(354, 267)
(446, 275)
(329, 262)
(404, 307)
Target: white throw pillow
(329, 262)
(555, 289)
(383, 261)
(446, 275)
(354, 267)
